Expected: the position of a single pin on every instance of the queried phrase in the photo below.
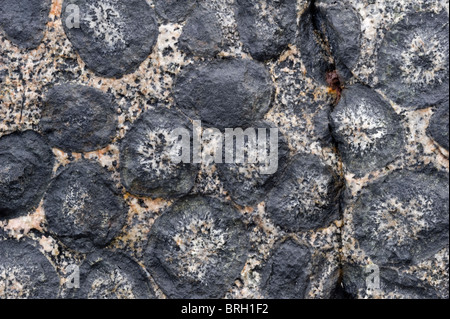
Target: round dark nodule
(116, 42)
(84, 208)
(78, 118)
(26, 164)
(28, 274)
(24, 21)
(439, 127)
(368, 132)
(286, 274)
(251, 190)
(224, 93)
(174, 11)
(192, 224)
(146, 165)
(417, 203)
(305, 196)
(413, 63)
(112, 275)
(266, 39)
(202, 35)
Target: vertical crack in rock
(197, 249)
(83, 207)
(329, 39)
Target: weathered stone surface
(113, 275)
(24, 21)
(286, 275)
(147, 168)
(25, 273)
(83, 207)
(78, 118)
(26, 164)
(392, 281)
(249, 183)
(403, 218)
(306, 195)
(266, 27)
(225, 93)
(114, 37)
(368, 132)
(329, 39)
(197, 249)
(413, 63)
(174, 11)
(202, 35)
(438, 128)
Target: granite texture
(357, 88)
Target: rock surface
(225, 93)
(147, 166)
(357, 206)
(113, 37)
(25, 172)
(24, 21)
(83, 207)
(25, 273)
(78, 119)
(197, 249)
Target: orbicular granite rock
(112, 275)
(83, 207)
(202, 35)
(147, 166)
(25, 273)
(174, 11)
(197, 249)
(26, 164)
(413, 60)
(286, 274)
(306, 195)
(224, 93)
(24, 21)
(78, 118)
(369, 133)
(113, 37)
(403, 218)
(266, 27)
(248, 183)
(438, 128)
